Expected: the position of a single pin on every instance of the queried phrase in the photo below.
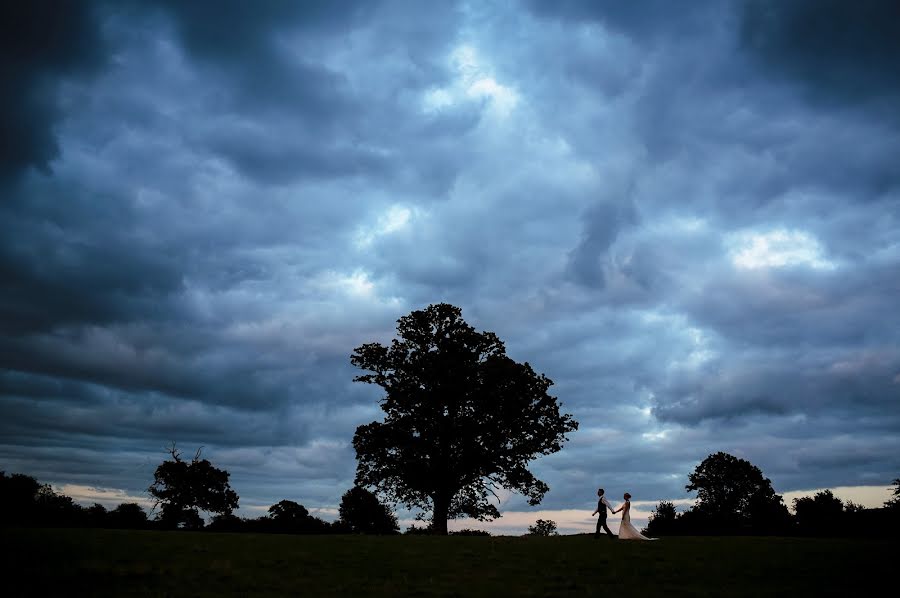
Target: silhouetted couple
(626, 530)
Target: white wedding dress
(626, 530)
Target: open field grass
(129, 563)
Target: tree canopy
(362, 513)
(18, 494)
(183, 488)
(819, 514)
(894, 501)
(542, 527)
(289, 517)
(662, 521)
(733, 495)
(128, 516)
(461, 418)
(288, 511)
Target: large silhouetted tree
(182, 488)
(362, 513)
(734, 496)
(461, 418)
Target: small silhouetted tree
(542, 527)
(128, 515)
(894, 501)
(663, 520)
(226, 522)
(362, 512)
(288, 512)
(96, 516)
(18, 493)
(733, 496)
(26, 502)
(57, 510)
(461, 419)
(289, 517)
(183, 488)
(889, 520)
(339, 527)
(852, 507)
(819, 515)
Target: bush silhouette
(542, 527)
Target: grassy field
(128, 563)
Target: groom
(602, 506)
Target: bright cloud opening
(778, 248)
(503, 98)
(474, 81)
(394, 220)
(357, 284)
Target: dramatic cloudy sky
(686, 214)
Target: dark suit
(601, 520)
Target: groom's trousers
(601, 523)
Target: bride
(626, 530)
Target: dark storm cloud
(119, 296)
(245, 42)
(272, 59)
(602, 226)
(42, 43)
(811, 342)
(303, 156)
(838, 51)
(242, 33)
(734, 151)
(645, 18)
(135, 417)
(51, 280)
(776, 309)
(639, 200)
(692, 99)
(755, 386)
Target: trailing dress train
(626, 530)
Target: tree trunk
(439, 517)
